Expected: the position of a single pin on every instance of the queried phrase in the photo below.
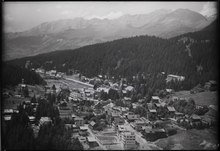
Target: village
(89, 109)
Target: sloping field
(190, 139)
(202, 98)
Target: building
(8, 111)
(114, 118)
(7, 117)
(174, 98)
(135, 105)
(169, 90)
(129, 88)
(171, 77)
(75, 128)
(139, 124)
(155, 99)
(128, 140)
(211, 85)
(171, 111)
(32, 119)
(92, 142)
(107, 108)
(121, 129)
(68, 126)
(179, 115)
(92, 124)
(65, 113)
(195, 118)
(131, 116)
(28, 64)
(117, 119)
(83, 131)
(45, 120)
(79, 121)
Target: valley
(110, 76)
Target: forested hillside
(193, 55)
(13, 75)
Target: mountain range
(193, 55)
(78, 32)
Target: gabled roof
(129, 88)
(115, 114)
(124, 91)
(78, 118)
(155, 98)
(162, 104)
(92, 123)
(8, 110)
(158, 104)
(7, 117)
(171, 109)
(153, 110)
(91, 139)
(83, 128)
(194, 116)
(110, 105)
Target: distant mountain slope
(188, 55)
(78, 32)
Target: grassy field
(189, 140)
(202, 98)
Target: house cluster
(51, 74)
(211, 85)
(171, 77)
(7, 113)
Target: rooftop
(8, 110)
(45, 119)
(92, 123)
(78, 119)
(129, 88)
(171, 109)
(152, 110)
(31, 117)
(129, 133)
(155, 98)
(7, 117)
(91, 139)
(194, 116)
(83, 128)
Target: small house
(92, 124)
(83, 131)
(195, 118)
(155, 99)
(79, 121)
(171, 111)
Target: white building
(128, 140)
(171, 77)
(45, 120)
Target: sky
(20, 16)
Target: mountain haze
(78, 32)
